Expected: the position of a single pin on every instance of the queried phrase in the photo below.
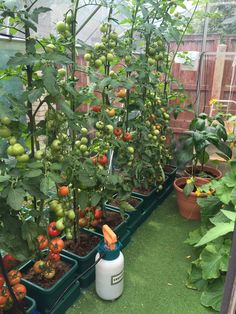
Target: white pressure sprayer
(109, 278)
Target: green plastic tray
(45, 298)
(70, 297)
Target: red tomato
(94, 223)
(63, 190)
(55, 257)
(2, 281)
(20, 291)
(4, 295)
(56, 245)
(127, 137)
(43, 242)
(117, 131)
(82, 214)
(83, 222)
(52, 230)
(103, 160)
(9, 262)
(96, 108)
(14, 277)
(98, 213)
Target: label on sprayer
(117, 278)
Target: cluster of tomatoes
(14, 277)
(14, 149)
(46, 268)
(90, 216)
(103, 52)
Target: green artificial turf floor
(156, 261)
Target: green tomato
(103, 28)
(103, 59)
(109, 128)
(130, 149)
(10, 150)
(60, 224)
(12, 140)
(110, 57)
(84, 131)
(5, 120)
(5, 132)
(97, 46)
(113, 35)
(84, 140)
(59, 211)
(68, 18)
(151, 61)
(154, 137)
(77, 144)
(87, 57)
(38, 154)
(98, 63)
(71, 214)
(131, 157)
(112, 74)
(61, 72)
(127, 59)
(112, 44)
(54, 205)
(56, 145)
(50, 48)
(69, 236)
(61, 27)
(18, 149)
(156, 132)
(23, 158)
(83, 148)
(98, 134)
(99, 125)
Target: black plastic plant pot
(45, 298)
(84, 262)
(170, 171)
(30, 305)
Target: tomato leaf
(15, 198)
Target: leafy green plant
(203, 132)
(212, 241)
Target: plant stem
(73, 69)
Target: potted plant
(204, 131)
(212, 241)
(188, 190)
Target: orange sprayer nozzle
(110, 237)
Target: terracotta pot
(216, 173)
(188, 206)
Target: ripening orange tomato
(63, 190)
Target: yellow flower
(213, 101)
(188, 181)
(198, 193)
